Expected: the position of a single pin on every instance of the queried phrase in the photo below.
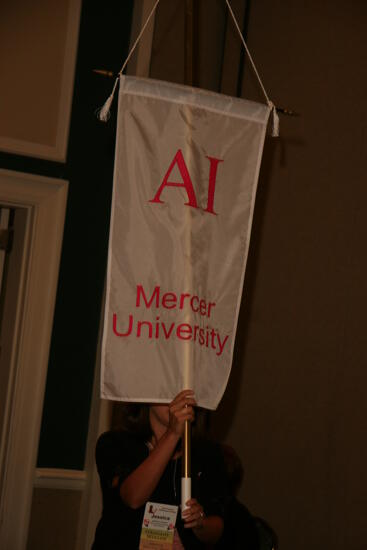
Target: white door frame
(45, 199)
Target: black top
(119, 453)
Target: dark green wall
(103, 42)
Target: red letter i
(212, 181)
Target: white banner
(186, 169)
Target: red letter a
(187, 183)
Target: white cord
(104, 113)
(139, 37)
(275, 131)
(247, 51)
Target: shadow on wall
(222, 418)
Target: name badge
(158, 528)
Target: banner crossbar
(104, 112)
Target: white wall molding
(45, 200)
(55, 478)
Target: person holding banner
(143, 465)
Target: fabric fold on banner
(186, 168)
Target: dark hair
(134, 418)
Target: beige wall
(167, 61)
(295, 406)
(38, 42)
(54, 519)
(31, 57)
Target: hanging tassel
(104, 112)
(275, 117)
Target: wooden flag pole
(186, 444)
